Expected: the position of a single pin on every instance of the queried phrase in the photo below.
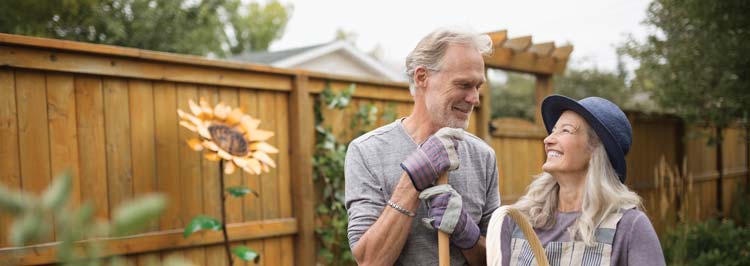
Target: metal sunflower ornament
(229, 134)
(233, 139)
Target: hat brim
(552, 108)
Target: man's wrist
(401, 209)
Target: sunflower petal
(203, 131)
(249, 123)
(229, 168)
(211, 156)
(254, 164)
(195, 108)
(249, 170)
(265, 168)
(235, 116)
(241, 162)
(221, 111)
(195, 144)
(207, 110)
(210, 145)
(263, 157)
(264, 147)
(224, 155)
(188, 125)
(259, 135)
(188, 117)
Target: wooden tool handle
(443, 240)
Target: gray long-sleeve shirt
(635, 240)
(372, 170)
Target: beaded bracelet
(401, 209)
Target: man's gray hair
(430, 50)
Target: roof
(293, 57)
(271, 57)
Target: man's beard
(446, 117)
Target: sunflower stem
(223, 212)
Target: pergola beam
(522, 55)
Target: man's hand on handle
(439, 153)
(445, 213)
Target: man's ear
(420, 77)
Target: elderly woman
(579, 206)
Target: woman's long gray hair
(603, 194)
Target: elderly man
(387, 168)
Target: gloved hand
(444, 206)
(439, 153)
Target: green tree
(696, 63)
(178, 26)
(514, 97)
(261, 26)
(579, 84)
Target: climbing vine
(328, 165)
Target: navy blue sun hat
(607, 120)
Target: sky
(593, 27)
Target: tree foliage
(516, 96)
(178, 26)
(579, 84)
(696, 63)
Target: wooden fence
(520, 155)
(109, 114)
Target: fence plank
(284, 194)
(33, 133)
(270, 181)
(142, 146)
(167, 164)
(117, 135)
(91, 143)
(248, 101)
(215, 255)
(61, 107)
(191, 184)
(234, 207)
(10, 170)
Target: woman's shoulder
(633, 215)
(634, 220)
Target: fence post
(484, 117)
(543, 89)
(301, 134)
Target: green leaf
(57, 194)
(28, 228)
(11, 201)
(246, 254)
(199, 223)
(135, 214)
(240, 191)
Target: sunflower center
(228, 139)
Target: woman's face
(567, 147)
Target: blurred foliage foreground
(32, 223)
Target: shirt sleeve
(643, 244)
(364, 200)
(492, 197)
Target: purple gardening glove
(439, 153)
(464, 234)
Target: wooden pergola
(543, 60)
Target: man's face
(453, 91)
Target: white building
(336, 57)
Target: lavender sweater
(635, 240)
